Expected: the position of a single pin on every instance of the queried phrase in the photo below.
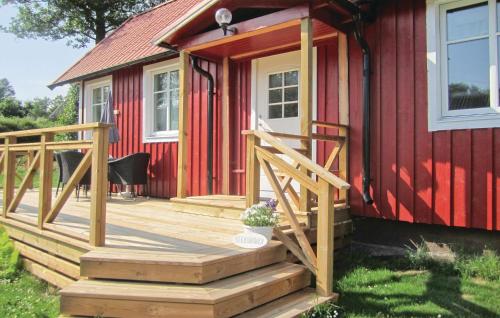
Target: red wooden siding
(451, 177)
(239, 112)
(127, 93)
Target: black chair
(130, 170)
(59, 164)
(69, 162)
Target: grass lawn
(416, 286)
(21, 172)
(21, 294)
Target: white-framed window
(161, 101)
(96, 96)
(283, 94)
(462, 63)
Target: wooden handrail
(54, 130)
(313, 167)
(95, 158)
(325, 124)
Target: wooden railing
(96, 156)
(283, 164)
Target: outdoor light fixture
(223, 17)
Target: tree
(78, 21)
(38, 107)
(65, 113)
(6, 89)
(11, 107)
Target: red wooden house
(385, 109)
(431, 140)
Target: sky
(30, 65)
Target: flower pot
(266, 231)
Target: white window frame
(148, 133)
(439, 116)
(89, 88)
(283, 103)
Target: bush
(17, 123)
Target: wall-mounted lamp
(223, 17)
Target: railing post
(344, 164)
(98, 186)
(306, 93)
(9, 174)
(252, 171)
(31, 156)
(325, 239)
(46, 170)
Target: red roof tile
(129, 43)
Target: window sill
(490, 120)
(171, 137)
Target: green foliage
(485, 266)
(6, 89)
(79, 22)
(22, 295)
(325, 310)
(262, 214)
(38, 107)
(65, 112)
(11, 107)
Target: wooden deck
(174, 256)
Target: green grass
(22, 295)
(21, 171)
(416, 286)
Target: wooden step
(219, 299)
(193, 268)
(291, 306)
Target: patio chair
(130, 170)
(69, 162)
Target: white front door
(275, 99)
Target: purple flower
(271, 203)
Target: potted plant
(261, 218)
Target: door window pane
(291, 78)
(291, 94)
(97, 95)
(275, 80)
(275, 96)
(468, 75)
(291, 110)
(96, 112)
(275, 111)
(467, 22)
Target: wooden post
(46, 170)
(343, 62)
(306, 85)
(252, 171)
(99, 186)
(9, 174)
(31, 157)
(325, 240)
(183, 124)
(225, 126)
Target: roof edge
(103, 72)
(189, 16)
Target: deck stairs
(151, 285)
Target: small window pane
(292, 78)
(498, 16)
(275, 80)
(467, 22)
(160, 100)
(96, 112)
(275, 96)
(468, 75)
(161, 82)
(291, 110)
(291, 94)
(160, 119)
(174, 110)
(174, 79)
(105, 94)
(275, 111)
(96, 96)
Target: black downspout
(365, 48)
(210, 119)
